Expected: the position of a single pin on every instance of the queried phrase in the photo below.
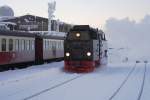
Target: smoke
(129, 34)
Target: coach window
(10, 44)
(47, 45)
(17, 45)
(44, 44)
(3, 44)
(58, 43)
(22, 44)
(62, 44)
(32, 45)
(55, 43)
(52, 43)
(28, 45)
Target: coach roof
(17, 33)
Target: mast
(51, 10)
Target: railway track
(125, 80)
(63, 79)
(143, 83)
(51, 88)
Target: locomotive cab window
(3, 44)
(82, 35)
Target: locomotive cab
(82, 49)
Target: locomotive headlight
(78, 34)
(67, 54)
(88, 53)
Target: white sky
(93, 12)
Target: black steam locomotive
(84, 49)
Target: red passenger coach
(84, 49)
(19, 49)
(15, 48)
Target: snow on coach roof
(31, 34)
(51, 33)
(16, 33)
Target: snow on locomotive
(85, 48)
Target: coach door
(38, 50)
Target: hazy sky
(93, 12)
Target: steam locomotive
(85, 48)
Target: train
(85, 48)
(82, 49)
(24, 48)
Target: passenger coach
(23, 48)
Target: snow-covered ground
(122, 81)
